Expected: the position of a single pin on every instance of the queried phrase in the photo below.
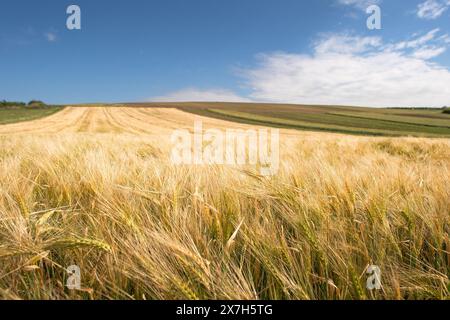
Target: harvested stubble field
(94, 187)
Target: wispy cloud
(350, 70)
(23, 37)
(28, 36)
(427, 53)
(50, 36)
(432, 9)
(418, 41)
(359, 4)
(197, 95)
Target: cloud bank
(198, 95)
(344, 69)
(352, 70)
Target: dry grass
(140, 228)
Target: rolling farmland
(351, 120)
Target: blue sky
(309, 51)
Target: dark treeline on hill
(33, 103)
(5, 103)
(14, 111)
(418, 108)
(18, 104)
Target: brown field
(94, 187)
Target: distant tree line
(444, 109)
(18, 104)
(417, 108)
(36, 103)
(5, 103)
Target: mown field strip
(117, 120)
(90, 120)
(410, 120)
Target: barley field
(94, 186)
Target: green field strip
(336, 123)
(13, 115)
(242, 117)
(348, 121)
(428, 122)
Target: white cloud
(351, 70)
(50, 36)
(346, 44)
(445, 39)
(432, 9)
(345, 69)
(427, 53)
(360, 4)
(197, 95)
(417, 42)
